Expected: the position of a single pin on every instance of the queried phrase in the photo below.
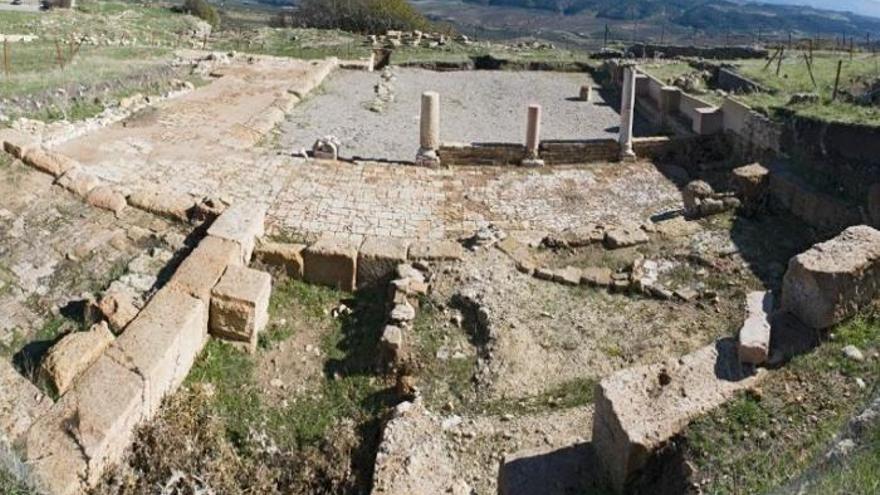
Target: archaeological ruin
(565, 275)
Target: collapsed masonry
(639, 410)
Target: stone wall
(732, 82)
(845, 155)
(753, 135)
(715, 52)
(552, 152)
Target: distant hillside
(861, 7)
(711, 14)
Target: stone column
(586, 93)
(627, 106)
(429, 130)
(533, 137)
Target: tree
(361, 16)
(203, 10)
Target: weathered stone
(16, 143)
(568, 276)
(392, 339)
(204, 266)
(519, 253)
(533, 137)
(429, 130)
(547, 470)
(403, 313)
(241, 223)
(78, 181)
(52, 163)
(163, 203)
(118, 308)
(639, 409)
(832, 280)
(105, 197)
(752, 184)
(21, 403)
(543, 273)
(283, 258)
(586, 93)
(331, 261)
(436, 251)
(754, 336)
(596, 276)
(627, 109)
(208, 209)
(240, 305)
(162, 343)
(377, 259)
(693, 195)
(621, 237)
(71, 355)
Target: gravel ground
(475, 106)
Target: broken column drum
(429, 130)
(627, 105)
(533, 137)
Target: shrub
(361, 16)
(203, 10)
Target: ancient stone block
(242, 223)
(162, 343)
(118, 308)
(754, 336)
(16, 143)
(204, 266)
(52, 163)
(639, 409)
(281, 258)
(829, 282)
(519, 253)
(436, 251)
(240, 305)
(331, 261)
(71, 355)
(392, 339)
(377, 259)
(78, 181)
(596, 276)
(87, 430)
(163, 203)
(567, 276)
(105, 197)
(751, 183)
(21, 403)
(621, 237)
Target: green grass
(794, 78)
(756, 443)
(858, 475)
(10, 486)
(295, 43)
(347, 391)
(668, 72)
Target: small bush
(361, 16)
(203, 10)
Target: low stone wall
(819, 209)
(715, 52)
(754, 136)
(552, 152)
(733, 82)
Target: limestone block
(596, 276)
(754, 336)
(331, 261)
(73, 354)
(751, 183)
(162, 343)
(569, 275)
(378, 258)
(436, 251)
(21, 403)
(392, 339)
(163, 203)
(709, 120)
(240, 305)
(87, 430)
(586, 93)
(204, 266)
(78, 181)
(16, 143)
(832, 280)
(637, 410)
(519, 253)
(52, 163)
(241, 223)
(118, 308)
(282, 257)
(105, 197)
(621, 237)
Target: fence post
(836, 80)
(6, 56)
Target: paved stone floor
(475, 106)
(190, 144)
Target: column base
(427, 158)
(532, 162)
(628, 156)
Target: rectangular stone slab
(832, 280)
(204, 266)
(331, 261)
(754, 336)
(240, 305)
(162, 343)
(242, 223)
(377, 259)
(638, 409)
